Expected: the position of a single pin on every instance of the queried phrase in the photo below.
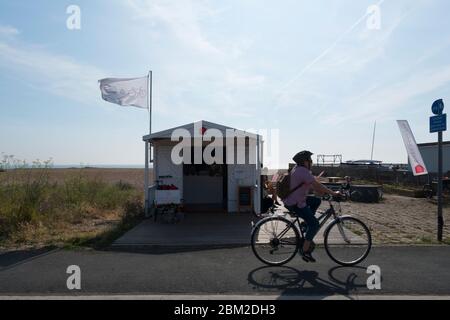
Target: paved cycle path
(404, 271)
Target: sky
(319, 72)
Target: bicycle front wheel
(275, 240)
(347, 241)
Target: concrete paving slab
(196, 229)
(203, 230)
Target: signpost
(438, 124)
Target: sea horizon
(100, 166)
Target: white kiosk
(202, 186)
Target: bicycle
(275, 240)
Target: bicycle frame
(323, 218)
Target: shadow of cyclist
(291, 281)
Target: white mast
(373, 139)
(147, 144)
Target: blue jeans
(307, 214)
(313, 202)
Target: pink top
(299, 175)
(275, 177)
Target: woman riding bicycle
(303, 205)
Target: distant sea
(101, 166)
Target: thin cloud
(8, 31)
(57, 74)
(385, 101)
(348, 59)
(213, 76)
(301, 72)
(182, 18)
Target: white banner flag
(125, 92)
(415, 158)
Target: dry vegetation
(44, 206)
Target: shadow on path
(291, 281)
(13, 258)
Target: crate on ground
(167, 197)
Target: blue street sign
(437, 107)
(438, 123)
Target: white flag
(125, 92)
(415, 158)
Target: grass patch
(75, 212)
(432, 240)
(403, 191)
(132, 214)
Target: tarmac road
(422, 270)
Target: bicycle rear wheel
(275, 240)
(347, 241)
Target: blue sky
(311, 69)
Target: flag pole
(149, 100)
(148, 147)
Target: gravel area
(398, 219)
